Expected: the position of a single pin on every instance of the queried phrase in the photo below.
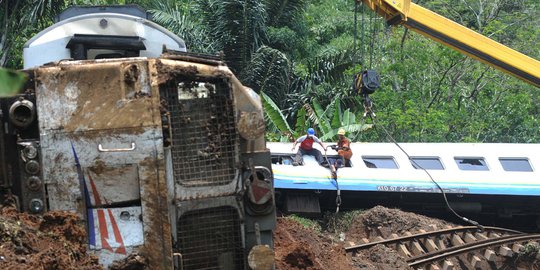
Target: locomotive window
(428, 163)
(516, 164)
(380, 162)
(471, 163)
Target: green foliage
(284, 12)
(20, 19)
(269, 72)
(181, 18)
(11, 82)
(240, 27)
(283, 39)
(313, 115)
(300, 56)
(307, 223)
(301, 123)
(528, 254)
(276, 118)
(340, 222)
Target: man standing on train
(306, 148)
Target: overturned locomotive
(159, 151)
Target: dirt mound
(52, 241)
(379, 257)
(298, 247)
(56, 240)
(382, 221)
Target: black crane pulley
(366, 82)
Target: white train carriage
(478, 177)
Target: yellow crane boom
(461, 38)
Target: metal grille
(211, 239)
(204, 136)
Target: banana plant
(339, 119)
(276, 119)
(312, 115)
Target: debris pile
(299, 246)
(55, 240)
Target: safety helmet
(341, 131)
(310, 131)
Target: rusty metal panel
(59, 170)
(63, 179)
(94, 96)
(100, 120)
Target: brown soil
(298, 247)
(131, 262)
(381, 221)
(56, 240)
(52, 241)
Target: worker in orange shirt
(343, 148)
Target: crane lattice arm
(461, 38)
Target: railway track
(455, 247)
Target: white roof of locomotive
(50, 44)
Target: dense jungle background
(301, 57)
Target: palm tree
(270, 72)
(183, 18)
(238, 25)
(20, 18)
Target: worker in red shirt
(306, 148)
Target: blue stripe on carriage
(407, 185)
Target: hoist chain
(368, 108)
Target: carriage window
(380, 162)
(471, 163)
(428, 163)
(516, 164)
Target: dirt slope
(56, 240)
(52, 241)
(297, 247)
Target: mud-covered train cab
(496, 178)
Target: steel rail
(457, 250)
(429, 234)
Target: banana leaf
(275, 115)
